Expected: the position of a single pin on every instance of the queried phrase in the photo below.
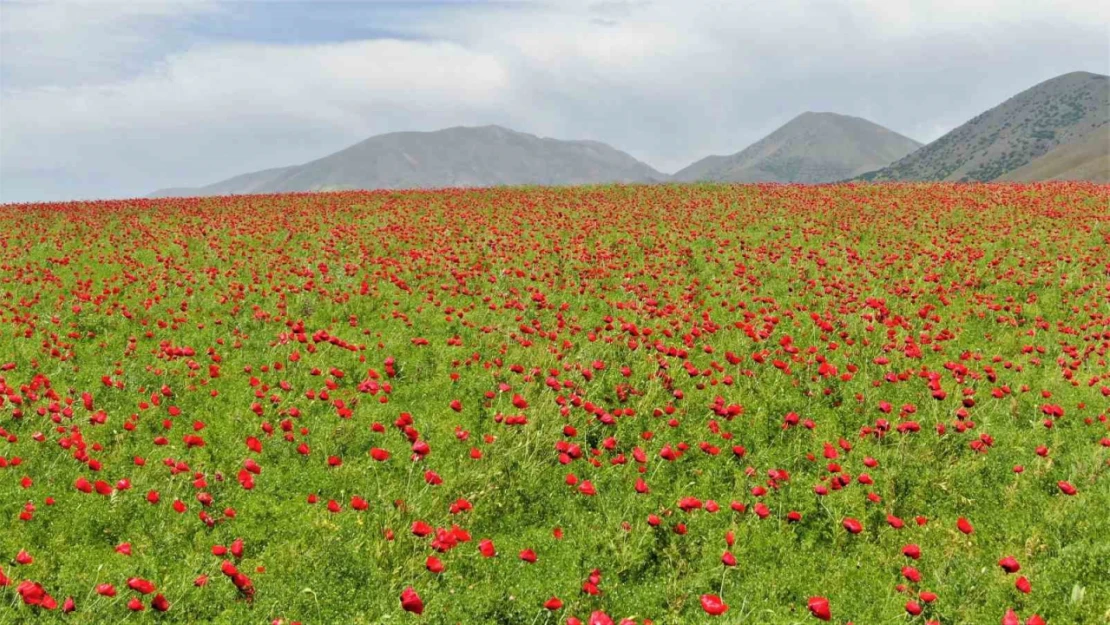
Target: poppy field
(595, 405)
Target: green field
(623, 380)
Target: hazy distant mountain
(453, 157)
(811, 148)
(1085, 159)
(246, 183)
(1059, 111)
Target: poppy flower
(713, 605)
(819, 608)
(485, 547)
(411, 602)
(32, 593)
(553, 604)
(140, 585)
(964, 525)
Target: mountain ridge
(813, 147)
(459, 156)
(1009, 135)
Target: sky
(108, 100)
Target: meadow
(762, 404)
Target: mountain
(811, 148)
(454, 157)
(1056, 112)
(1085, 159)
(253, 182)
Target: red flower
(411, 602)
(553, 604)
(852, 525)
(485, 547)
(964, 525)
(140, 585)
(819, 608)
(713, 605)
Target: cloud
(161, 101)
(217, 110)
(73, 43)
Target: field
(666, 404)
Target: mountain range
(1058, 129)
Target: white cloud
(245, 105)
(120, 99)
(85, 42)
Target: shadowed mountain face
(453, 157)
(1059, 111)
(1084, 159)
(811, 148)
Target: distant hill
(1063, 110)
(246, 183)
(453, 157)
(811, 148)
(1086, 159)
